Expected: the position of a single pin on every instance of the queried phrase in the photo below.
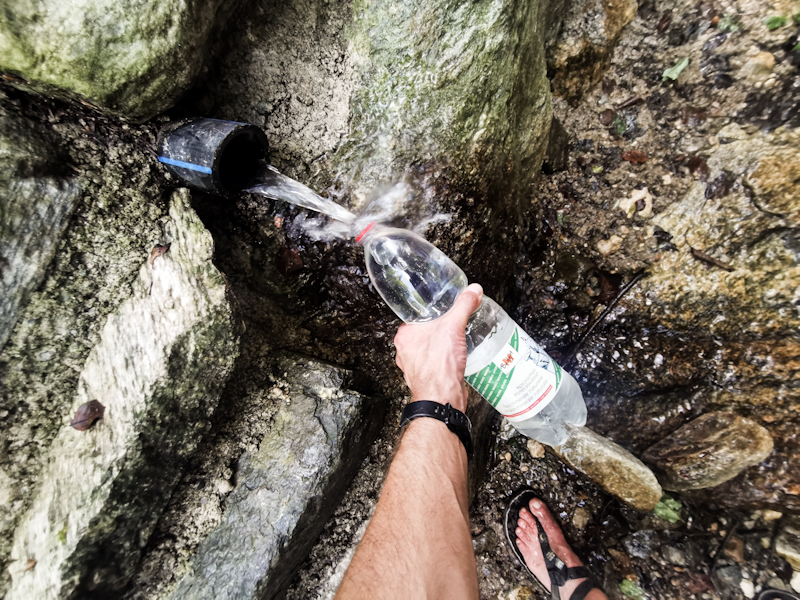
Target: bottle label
(521, 380)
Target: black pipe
(223, 157)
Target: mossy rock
(131, 58)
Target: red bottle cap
(366, 229)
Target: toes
(554, 534)
(527, 518)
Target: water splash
(408, 204)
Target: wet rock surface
(674, 187)
(612, 467)
(158, 368)
(579, 55)
(286, 489)
(701, 554)
(36, 204)
(787, 544)
(131, 59)
(708, 451)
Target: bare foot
(528, 543)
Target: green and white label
(520, 381)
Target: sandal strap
(561, 575)
(582, 590)
(578, 572)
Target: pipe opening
(241, 160)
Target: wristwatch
(456, 421)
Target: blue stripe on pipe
(185, 165)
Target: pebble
(730, 574)
(223, 486)
(535, 449)
(795, 582)
(581, 517)
(758, 68)
(507, 457)
(772, 515)
(609, 246)
(523, 468)
(747, 587)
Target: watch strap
(456, 421)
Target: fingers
(467, 303)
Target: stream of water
(277, 186)
(399, 204)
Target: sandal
(558, 571)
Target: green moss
(462, 81)
(775, 22)
(124, 56)
(62, 535)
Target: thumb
(467, 303)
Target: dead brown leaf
(636, 157)
(87, 414)
(158, 251)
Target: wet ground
(635, 130)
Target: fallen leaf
(87, 414)
(664, 22)
(668, 509)
(634, 156)
(693, 116)
(699, 168)
(774, 23)
(631, 590)
(699, 583)
(158, 251)
(721, 186)
(673, 72)
(734, 549)
(29, 564)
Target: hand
(433, 356)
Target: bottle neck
(361, 237)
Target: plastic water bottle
(511, 371)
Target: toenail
(536, 503)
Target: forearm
(422, 516)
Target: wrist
(455, 396)
(429, 411)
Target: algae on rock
(35, 206)
(159, 366)
(130, 58)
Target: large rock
(35, 206)
(158, 369)
(611, 467)
(787, 544)
(581, 52)
(454, 95)
(717, 339)
(131, 58)
(287, 488)
(118, 218)
(709, 451)
(748, 228)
